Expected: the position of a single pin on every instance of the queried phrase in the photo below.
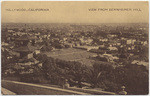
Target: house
(110, 57)
(37, 51)
(146, 64)
(112, 48)
(23, 48)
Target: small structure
(146, 64)
(123, 92)
(23, 47)
(66, 84)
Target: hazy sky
(74, 12)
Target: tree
(78, 72)
(98, 73)
(73, 71)
(41, 57)
(134, 78)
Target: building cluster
(110, 43)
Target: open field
(72, 54)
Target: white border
(75, 0)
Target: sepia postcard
(74, 47)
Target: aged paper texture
(74, 47)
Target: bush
(30, 78)
(134, 78)
(108, 85)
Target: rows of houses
(26, 43)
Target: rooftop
(27, 48)
(25, 37)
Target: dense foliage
(100, 75)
